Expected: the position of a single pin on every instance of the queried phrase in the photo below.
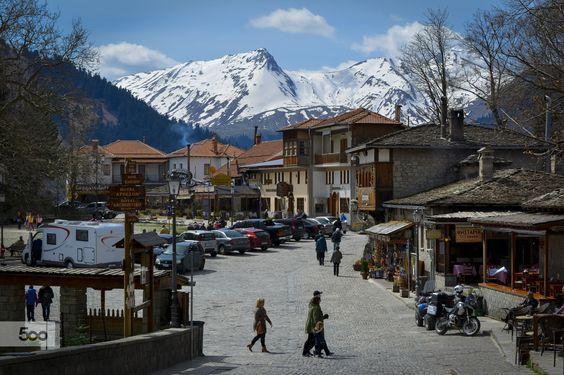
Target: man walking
(314, 315)
(45, 297)
(320, 248)
(336, 260)
(336, 238)
(30, 303)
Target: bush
(364, 266)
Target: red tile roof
(205, 148)
(303, 125)
(264, 151)
(357, 116)
(133, 149)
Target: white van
(75, 244)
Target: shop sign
(283, 189)
(468, 234)
(434, 234)
(221, 180)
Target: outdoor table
(526, 322)
(502, 276)
(463, 269)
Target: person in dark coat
(320, 248)
(337, 225)
(45, 298)
(336, 238)
(336, 260)
(30, 303)
(259, 326)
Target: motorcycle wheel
(471, 326)
(429, 323)
(418, 319)
(441, 327)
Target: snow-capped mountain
(235, 91)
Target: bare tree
(426, 59)
(486, 73)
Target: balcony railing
(330, 158)
(296, 160)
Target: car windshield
(322, 220)
(269, 223)
(232, 233)
(219, 234)
(181, 249)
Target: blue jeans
(46, 310)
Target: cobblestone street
(370, 330)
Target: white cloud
(119, 59)
(390, 42)
(296, 21)
(341, 66)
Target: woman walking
(261, 317)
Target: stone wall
(12, 305)
(495, 300)
(141, 354)
(73, 310)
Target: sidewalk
(501, 339)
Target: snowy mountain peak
(234, 91)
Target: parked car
(326, 226)
(158, 250)
(258, 238)
(230, 240)
(333, 219)
(184, 251)
(205, 237)
(98, 209)
(279, 233)
(311, 228)
(296, 226)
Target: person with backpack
(336, 260)
(30, 303)
(336, 238)
(45, 298)
(320, 248)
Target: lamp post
(354, 207)
(174, 188)
(418, 220)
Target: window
(181, 166)
(290, 173)
(344, 205)
(344, 176)
(329, 177)
(306, 177)
(106, 169)
(302, 148)
(300, 204)
(298, 176)
(51, 239)
(206, 169)
(82, 235)
(141, 169)
(174, 166)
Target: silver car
(229, 240)
(206, 238)
(326, 225)
(184, 252)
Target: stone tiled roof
(510, 187)
(521, 219)
(552, 201)
(355, 116)
(303, 124)
(204, 148)
(475, 136)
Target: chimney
(188, 157)
(95, 144)
(258, 138)
(443, 116)
(214, 145)
(456, 125)
(255, 137)
(486, 163)
(144, 139)
(397, 113)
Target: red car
(258, 237)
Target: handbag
(260, 327)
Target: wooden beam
(512, 260)
(545, 265)
(485, 255)
(141, 306)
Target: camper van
(75, 244)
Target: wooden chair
(557, 340)
(549, 326)
(523, 345)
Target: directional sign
(126, 204)
(221, 180)
(132, 179)
(126, 191)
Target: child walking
(320, 344)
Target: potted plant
(357, 265)
(364, 269)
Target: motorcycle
(461, 316)
(421, 310)
(436, 308)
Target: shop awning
(522, 220)
(389, 228)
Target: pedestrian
(38, 220)
(30, 303)
(17, 246)
(337, 225)
(320, 343)
(164, 230)
(45, 298)
(320, 248)
(336, 260)
(19, 219)
(336, 238)
(259, 325)
(314, 315)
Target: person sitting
(527, 307)
(17, 246)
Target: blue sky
(142, 35)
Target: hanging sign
(468, 234)
(433, 234)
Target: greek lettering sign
(132, 179)
(433, 234)
(126, 204)
(468, 234)
(126, 191)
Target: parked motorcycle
(421, 310)
(461, 316)
(436, 308)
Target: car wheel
(221, 250)
(213, 254)
(242, 252)
(202, 264)
(276, 243)
(297, 239)
(69, 264)
(264, 247)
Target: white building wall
(197, 164)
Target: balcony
(331, 158)
(300, 160)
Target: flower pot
(404, 293)
(364, 275)
(356, 267)
(395, 288)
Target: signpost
(128, 197)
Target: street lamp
(354, 200)
(418, 220)
(173, 189)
